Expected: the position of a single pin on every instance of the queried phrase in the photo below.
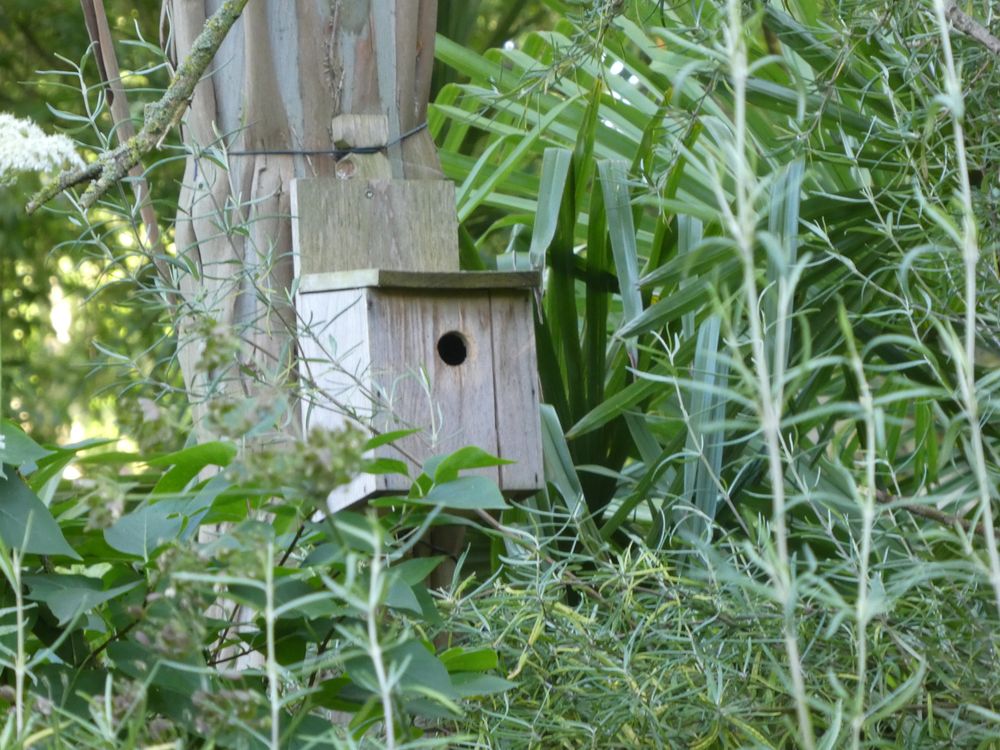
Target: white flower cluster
(24, 147)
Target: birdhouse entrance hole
(452, 348)
(471, 336)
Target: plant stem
(970, 257)
(20, 660)
(272, 661)
(867, 502)
(375, 648)
(742, 227)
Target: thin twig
(971, 27)
(933, 514)
(160, 117)
(100, 35)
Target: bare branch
(933, 514)
(100, 35)
(970, 26)
(160, 117)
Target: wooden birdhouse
(395, 337)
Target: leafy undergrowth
(629, 653)
(146, 606)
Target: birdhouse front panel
(446, 354)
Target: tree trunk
(284, 75)
(285, 78)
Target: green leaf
(468, 685)
(469, 457)
(186, 464)
(459, 659)
(555, 169)
(143, 531)
(559, 468)
(518, 153)
(621, 228)
(400, 596)
(25, 523)
(139, 663)
(16, 448)
(387, 466)
(423, 671)
(69, 596)
(465, 493)
(416, 570)
(387, 437)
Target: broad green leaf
(145, 530)
(16, 448)
(458, 659)
(420, 669)
(186, 464)
(71, 595)
(469, 457)
(400, 596)
(25, 523)
(139, 663)
(465, 493)
(415, 571)
(387, 437)
(466, 685)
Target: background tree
(40, 262)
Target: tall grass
(791, 183)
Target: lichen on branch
(160, 117)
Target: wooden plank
(515, 376)
(335, 363)
(354, 131)
(427, 281)
(405, 225)
(452, 404)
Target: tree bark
(283, 80)
(284, 74)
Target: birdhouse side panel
(335, 371)
(336, 361)
(517, 391)
(432, 363)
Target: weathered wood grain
(284, 74)
(518, 420)
(386, 373)
(335, 362)
(403, 225)
(361, 131)
(451, 405)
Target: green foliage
(643, 366)
(646, 657)
(767, 342)
(768, 320)
(105, 626)
(52, 263)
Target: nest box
(395, 337)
